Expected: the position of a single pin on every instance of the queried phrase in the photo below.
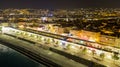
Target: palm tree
(40, 38)
(102, 55)
(115, 57)
(56, 44)
(0, 28)
(26, 34)
(84, 50)
(68, 46)
(48, 40)
(17, 32)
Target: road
(106, 62)
(54, 57)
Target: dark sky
(51, 4)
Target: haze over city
(60, 33)
(57, 4)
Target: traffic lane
(46, 53)
(97, 61)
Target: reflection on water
(11, 58)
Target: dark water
(11, 58)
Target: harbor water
(12, 58)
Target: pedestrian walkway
(105, 62)
(108, 63)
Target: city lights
(83, 33)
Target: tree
(68, 46)
(115, 57)
(66, 30)
(0, 28)
(17, 32)
(56, 44)
(48, 40)
(102, 55)
(40, 38)
(84, 50)
(26, 34)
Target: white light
(108, 56)
(39, 29)
(98, 52)
(5, 29)
(44, 18)
(73, 47)
(89, 51)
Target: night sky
(53, 4)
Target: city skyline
(62, 4)
(58, 31)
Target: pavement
(57, 58)
(108, 63)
